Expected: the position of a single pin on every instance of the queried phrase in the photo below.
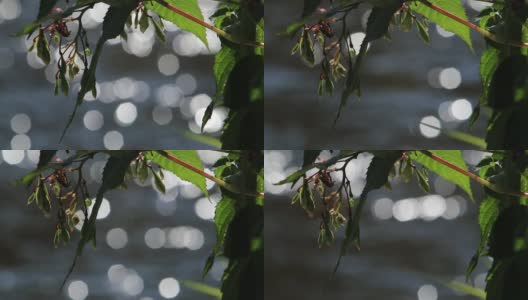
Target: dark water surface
(25, 90)
(397, 257)
(31, 268)
(396, 94)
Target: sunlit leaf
(454, 157)
(189, 156)
(190, 7)
(454, 7)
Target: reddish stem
(217, 30)
(218, 181)
(482, 31)
(472, 176)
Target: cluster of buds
(59, 26)
(318, 193)
(72, 51)
(55, 192)
(324, 25)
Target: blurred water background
(148, 242)
(410, 241)
(149, 93)
(404, 83)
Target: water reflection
(404, 83)
(116, 238)
(169, 288)
(139, 254)
(407, 237)
(78, 290)
(143, 89)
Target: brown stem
(474, 177)
(217, 30)
(482, 31)
(218, 181)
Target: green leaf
(423, 30)
(244, 97)
(452, 156)
(43, 48)
(115, 20)
(379, 169)
(115, 170)
(43, 198)
(507, 279)
(507, 128)
(524, 37)
(189, 6)
(113, 176)
(509, 75)
(469, 139)
(423, 179)
(488, 212)
(489, 61)
(158, 181)
(225, 61)
(377, 26)
(63, 82)
(224, 213)
(159, 29)
(466, 289)
(307, 48)
(455, 7)
(144, 22)
(113, 24)
(377, 176)
(306, 199)
(511, 224)
(244, 277)
(189, 156)
(259, 36)
(406, 20)
(203, 288)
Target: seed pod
(65, 236)
(326, 29)
(62, 28)
(327, 179)
(307, 199)
(43, 199)
(43, 49)
(62, 178)
(307, 48)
